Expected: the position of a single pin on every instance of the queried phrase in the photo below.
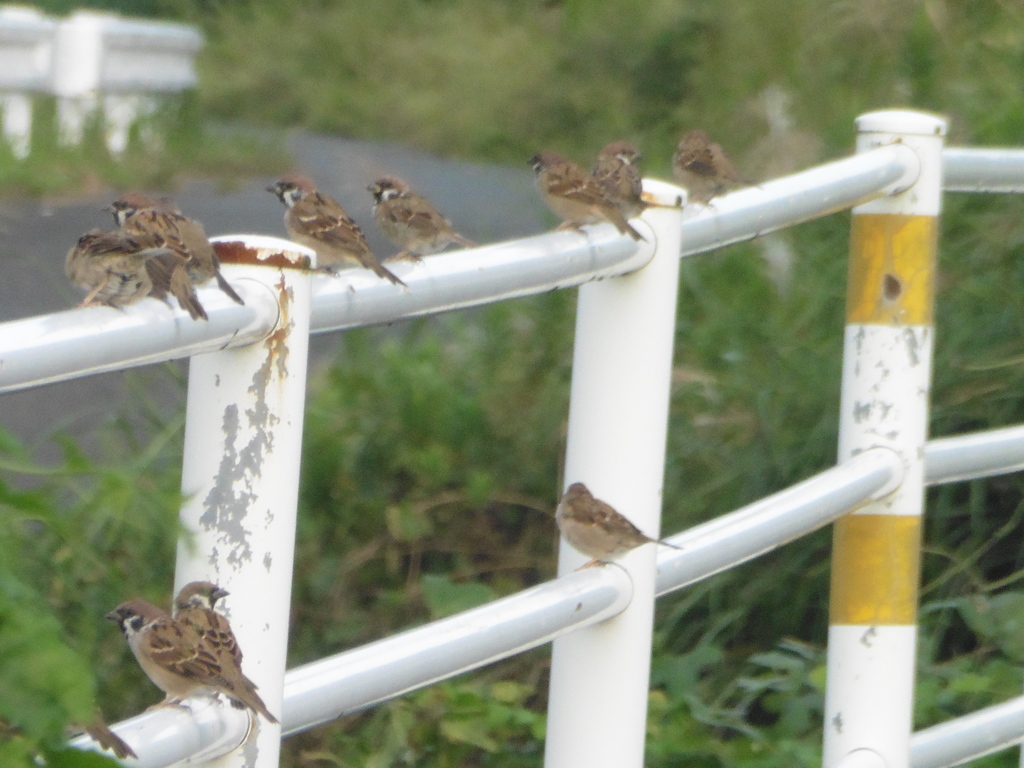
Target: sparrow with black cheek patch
(410, 221)
(138, 214)
(574, 196)
(319, 222)
(703, 168)
(617, 174)
(594, 528)
(179, 661)
(169, 653)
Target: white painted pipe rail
(80, 342)
(988, 730)
(983, 170)
(810, 194)
(974, 455)
(352, 680)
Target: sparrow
(410, 221)
(179, 661)
(617, 174)
(194, 606)
(315, 220)
(594, 528)
(137, 214)
(117, 270)
(703, 168)
(574, 196)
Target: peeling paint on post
(886, 379)
(240, 475)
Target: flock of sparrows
(193, 651)
(157, 251)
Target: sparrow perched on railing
(703, 168)
(410, 221)
(315, 220)
(617, 174)
(179, 661)
(594, 528)
(574, 196)
(139, 214)
(117, 270)
(194, 606)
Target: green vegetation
(171, 145)
(433, 449)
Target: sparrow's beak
(113, 616)
(218, 593)
(108, 209)
(272, 189)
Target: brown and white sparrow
(594, 528)
(179, 661)
(138, 214)
(617, 174)
(117, 270)
(574, 196)
(410, 221)
(194, 606)
(703, 168)
(319, 222)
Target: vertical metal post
(886, 379)
(240, 476)
(618, 417)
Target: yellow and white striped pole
(886, 379)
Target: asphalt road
(485, 203)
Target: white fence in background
(91, 62)
(243, 425)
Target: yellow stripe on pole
(875, 564)
(892, 269)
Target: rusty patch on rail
(236, 252)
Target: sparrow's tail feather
(667, 544)
(185, 293)
(382, 271)
(225, 286)
(465, 242)
(250, 698)
(616, 218)
(106, 738)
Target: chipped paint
(241, 461)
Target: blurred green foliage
(170, 145)
(432, 449)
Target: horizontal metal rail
(983, 170)
(974, 455)
(810, 194)
(980, 733)
(82, 342)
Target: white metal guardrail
(90, 61)
(599, 615)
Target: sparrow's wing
(326, 221)
(603, 515)
(179, 650)
(726, 169)
(220, 637)
(420, 215)
(573, 184)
